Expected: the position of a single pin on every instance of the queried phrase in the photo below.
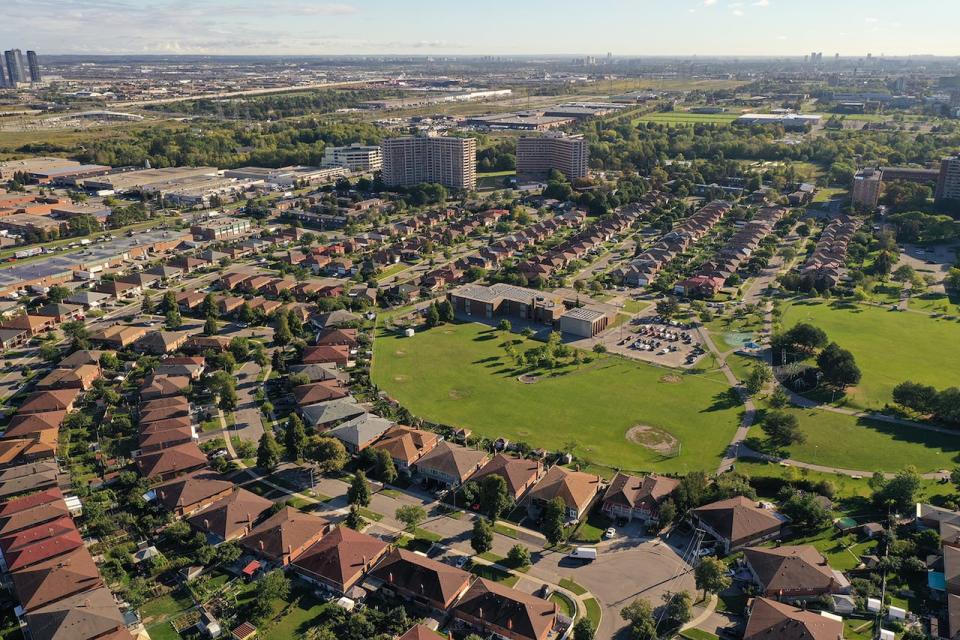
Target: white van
(588, 554)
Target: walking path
(747, 452)
(706, 613)
(730, 457)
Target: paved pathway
(746, 452)
(704, 615)
(750, 412)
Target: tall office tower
(412, 160)
(34, 65)
(15, 71)
(948, 184)
(3, 75)
(537, 155)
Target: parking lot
(654, 339)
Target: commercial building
(220, 229)
(413, 160)
(948, 183)
(34, 65)
(537, 155)
(134, 181)
(866, 188)
(10, 168)
(356, 157)
(789, 121)
(287, 177)
(16, 72)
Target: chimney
(480, 613)
(390, 577)
(510, 624)
(261, 545)
(290, 550)
(206, 523)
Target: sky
(494, 27)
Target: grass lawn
(572, 586)
(566, 606)
(847, 442)
(459, 375)
(163, 631)
(495, 574)
(726, 330)
(854, 629)
(505, 530)
(742, 365)
(889, 346)
(685, 117)
(933, 303)
(392, 270)
(593, 612)
(166, 605)
(846, 487)
(297, 621)
(842, 552)
(697, 634)
(826, 194)
(591, 529)
(372, 516)
(635, 306)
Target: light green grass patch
(889, 346)
(847, 442)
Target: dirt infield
(671, 379)
(652, 438)
(525, 379)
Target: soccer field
(459, 375)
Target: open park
(889, 346)
(459, 375)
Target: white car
(609, 533)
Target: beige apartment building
(866, 188)
(537, 155)
(413, 160)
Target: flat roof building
(413, 160)
(355, 157)
(537, 155)
(126, 181)
(948, 183)
(866, 188)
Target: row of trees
(944, 405)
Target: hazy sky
(624, 27)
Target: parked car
(609, 533)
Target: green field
(459, 375)
(848, 442)
(685, 117)
(889, 346)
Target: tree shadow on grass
(727, 399)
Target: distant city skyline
(497, 27)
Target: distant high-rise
(15, 70)
(537, 155)
(866, 188)
(3, 75)
(34, 65)
(948, 184)
(412, 160)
